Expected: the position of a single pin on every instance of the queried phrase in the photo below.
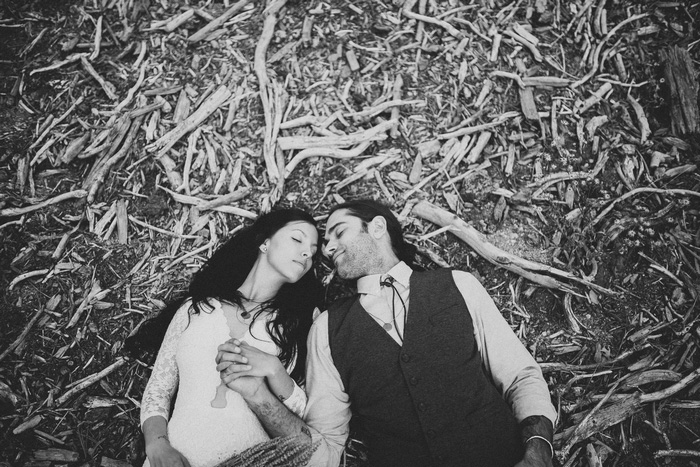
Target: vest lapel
(372, 325)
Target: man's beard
(360, 260)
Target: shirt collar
(370, 284)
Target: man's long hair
(368, 209)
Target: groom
(433, 373)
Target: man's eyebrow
(333, 227)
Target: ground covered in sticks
(135, 135)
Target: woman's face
(290, 250)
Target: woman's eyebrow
(304, 234)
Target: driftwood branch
(376, 133)
(271, 94)
(542, 274)
(209, 106)
(326, 152)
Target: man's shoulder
(439, 274)
(462, 279)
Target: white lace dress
(186, 365)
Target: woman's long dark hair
(220, 278)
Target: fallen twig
(108, 87)
(75, 194)
(90, 380)
(476, 129)
(599, 48)
(438, 22)
(637, 191)
(602, 417)
(99, 171)
(56, 121)
(50, 306)
(216, 23)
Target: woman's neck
(259, 286)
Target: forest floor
(132, 142)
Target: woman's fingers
(231, 358)
(231, 367)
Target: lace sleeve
(164, 379)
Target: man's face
(350, 246)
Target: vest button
(422, 406)
(405, 357)
(413, 381)
(431, 433)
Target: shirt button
(422, 406)
(405, 357)
(413, 381)
(441, 458)
(431, 433)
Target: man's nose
(329, 248)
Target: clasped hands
(243, 368)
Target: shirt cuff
(296, 402)
(327, 453)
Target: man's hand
(537, 433)
(161, 454)
(246, 386)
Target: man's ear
(377, 227)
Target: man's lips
(336, 256)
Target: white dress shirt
(514, 372)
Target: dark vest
(429, 402)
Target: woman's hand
(161, 454)
(238, 358)
(244, 369)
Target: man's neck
(383, 267)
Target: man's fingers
(227, 378)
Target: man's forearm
(277, 419)
(537, 433)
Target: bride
(259, 289)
